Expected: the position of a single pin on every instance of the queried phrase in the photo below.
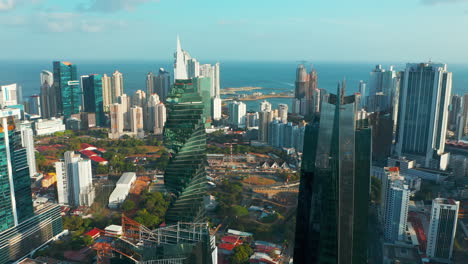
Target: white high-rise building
(193, 68)
(136, 121)
(442, 228)
(117, 89)
(395, 199)
(28, 143)
(283, 113)
(139, 99)
(153, 101)
(48, 101)
(74, 180)
(180, 63)
(217, 108)
(237, 112)
(383, 89)
(159, 118)
(107, 98)
(124, 101)
(9, 95)
(116, 121)
(265, 106)
(423, 113)
(150, 85)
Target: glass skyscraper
(334, 189)
(67, 88)
(93, 97)
(184, 136)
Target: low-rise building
(48, 126)
(122, 189)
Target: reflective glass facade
(334, 189)
(67, 88)
(93, 98)
(184, 136)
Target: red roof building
(94, 233)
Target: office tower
(35, 105)
(125, 103)
(363, 91)
(93, 97)
(312, 96)
(461, 132)
(139, 99)
(251, 119)
(264, 119)
(74, 180)
(48, 95)
(159, 118)
(455, 108)
(107, 92)
(382, 137)
(28, 143)
(216, 80)
(184, 136)
(193, 68)
(116, 121)
(8, 95)
(217, 108)
(136, 121)
(117, 86)
(301, 84)
(153, 101)
(306, 94)
(203, 85)
(383, 89)
(442, 228)
(237, 111)
(162, 84)
(180, 66)
(299, 138)
(16, 200)
(334, 189)
(395, 199)
(283, 113)
(67, 88)
(150, 83)
(275, 133)
(423, 113)
(265, 106)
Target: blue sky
(320, 30)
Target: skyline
(145, 29)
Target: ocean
(271, 76)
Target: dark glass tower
(92, 97)
(334, 190)
(15, 184)
(184, 136)
(67, 88)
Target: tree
(87, 240)
(238, 211)
(128, 205)
(242, 254)
(102, 169)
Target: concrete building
(125, 103)
(48, 100)
(383, 87)
(237, 112)
(139, 99)
(265, 106)
(48, 126)
(136, 121)
(283, 113)
(461, 132)
(162, 83)
(423, 113)
(264, 119)
(455, 108)
(116, 121)
(150, 84)
(442, 228)
(217, 108)
(9, 95)
(28, 143)
(74, 180)
(107, 99)
(117, 86)
(35, 107)
(395, 199)
(122, 188)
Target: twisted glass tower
(185, 138)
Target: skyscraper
(237, 111)
(442, 228)
(395, 199)
(455, 109)
(16, 199)
(153, 101)
(334, 189)
(8, 95)
(150, 85)
(116, 121)
(74, 180)
(107, 92)
(362, 89)
(125, 103)
(283, 113)
(265, 106)
(136, 121)
(117, 85)
(217, 108)
(184, 136)
(28, 143)
(162, 84)
(35, 105)
(180, 65)
(48, 95)
(264, 119)
(93, 97)
(306, 94)
(423, 113)
(67, 88)
(383, 89)
(461, 132)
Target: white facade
(48, 126)
(395, 199)
(159, 118)
(180, 66)
(265, 106)
(28, 143)
(139, 98)
(117, 89)
(74, 180)
(107, 99)
(283, 113)
(9, 95)
(217, 108)
(116, 120)
(125, 103)
(441, 236)
(237, 112)
(136, 121)
(383, 88)
(122, 189)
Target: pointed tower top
(179, 47)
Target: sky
(263, 30)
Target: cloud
(437, 2)
(6, 5)
(109, 6)
(62, 22)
